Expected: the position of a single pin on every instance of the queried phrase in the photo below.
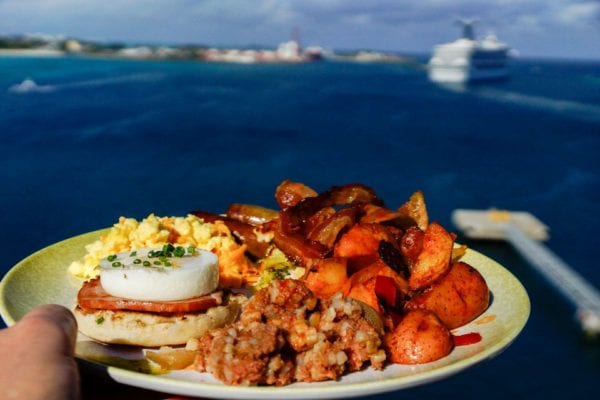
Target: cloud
(528, 24)
(580, 13)
(277, 12)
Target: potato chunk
(434, 259)
(415, 210)
(420, 337)
(459, 297)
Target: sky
(534, 28)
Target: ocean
(95, 139)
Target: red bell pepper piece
(385, 288)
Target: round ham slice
(92, 296)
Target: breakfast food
(128, 234)
(337, 282)
(455, 298)
(287, 334)
(155, 298)
(138, 275)
(397, 262)
(152, 329)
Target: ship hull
(463, 73)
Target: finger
(53, 316)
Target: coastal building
(73, 46)
(289, 51)
(136, 52)
(286, 52)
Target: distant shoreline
(31, 52)
(289, 52)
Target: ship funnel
(467, 27)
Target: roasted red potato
(434, 259)
(411, 244)
(420, 337)
(459, 297)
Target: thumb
(52, 317)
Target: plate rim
(349, 389)
(8, 319)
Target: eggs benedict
(155, 297)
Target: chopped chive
(116, 264)
(112, 257)
(157, 263)
(179, 251)
(191, 249)
(147, 263)
(167, 248)
(137, 261)
(168, 264)
(100, 320)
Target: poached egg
(167, 274)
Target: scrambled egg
(128, 234)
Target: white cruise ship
(468, 59)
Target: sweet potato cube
(329, 277)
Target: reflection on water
(458, 87)
(494, 91)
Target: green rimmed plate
(43, 278)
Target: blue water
(102, 138)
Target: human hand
(38, 356)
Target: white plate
(43, 278)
